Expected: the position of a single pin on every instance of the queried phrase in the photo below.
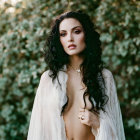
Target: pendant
(78, 70)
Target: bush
(23, 34)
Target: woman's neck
(75, 61)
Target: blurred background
(24, 26)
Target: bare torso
(75, 130)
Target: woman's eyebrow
(72, 28)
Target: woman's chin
(73, 53)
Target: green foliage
(22, 38)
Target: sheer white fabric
(46, 122)
(111, 125)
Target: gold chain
(77, 70)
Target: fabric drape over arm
(35, 131)
(111, 125)
(46, 122)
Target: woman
(76, 98)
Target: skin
(71, 32)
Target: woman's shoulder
(45, 76)
(107, 73)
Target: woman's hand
(89, 118)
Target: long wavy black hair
(92, 65)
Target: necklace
(77, 70)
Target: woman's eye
(62, 34)
(77, 31)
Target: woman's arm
(36, 121)
(111, 125)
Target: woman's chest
(74, 128)
(75, 92)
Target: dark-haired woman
(76, 98)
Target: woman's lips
(72, 46)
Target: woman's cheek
(63, 42)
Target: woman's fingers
(80, 114)
(82, 110)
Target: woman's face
(72, 36)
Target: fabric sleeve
(46, 123)
(35, 127)
(111, 125)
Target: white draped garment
(46, 122)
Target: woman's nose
(70, 37)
